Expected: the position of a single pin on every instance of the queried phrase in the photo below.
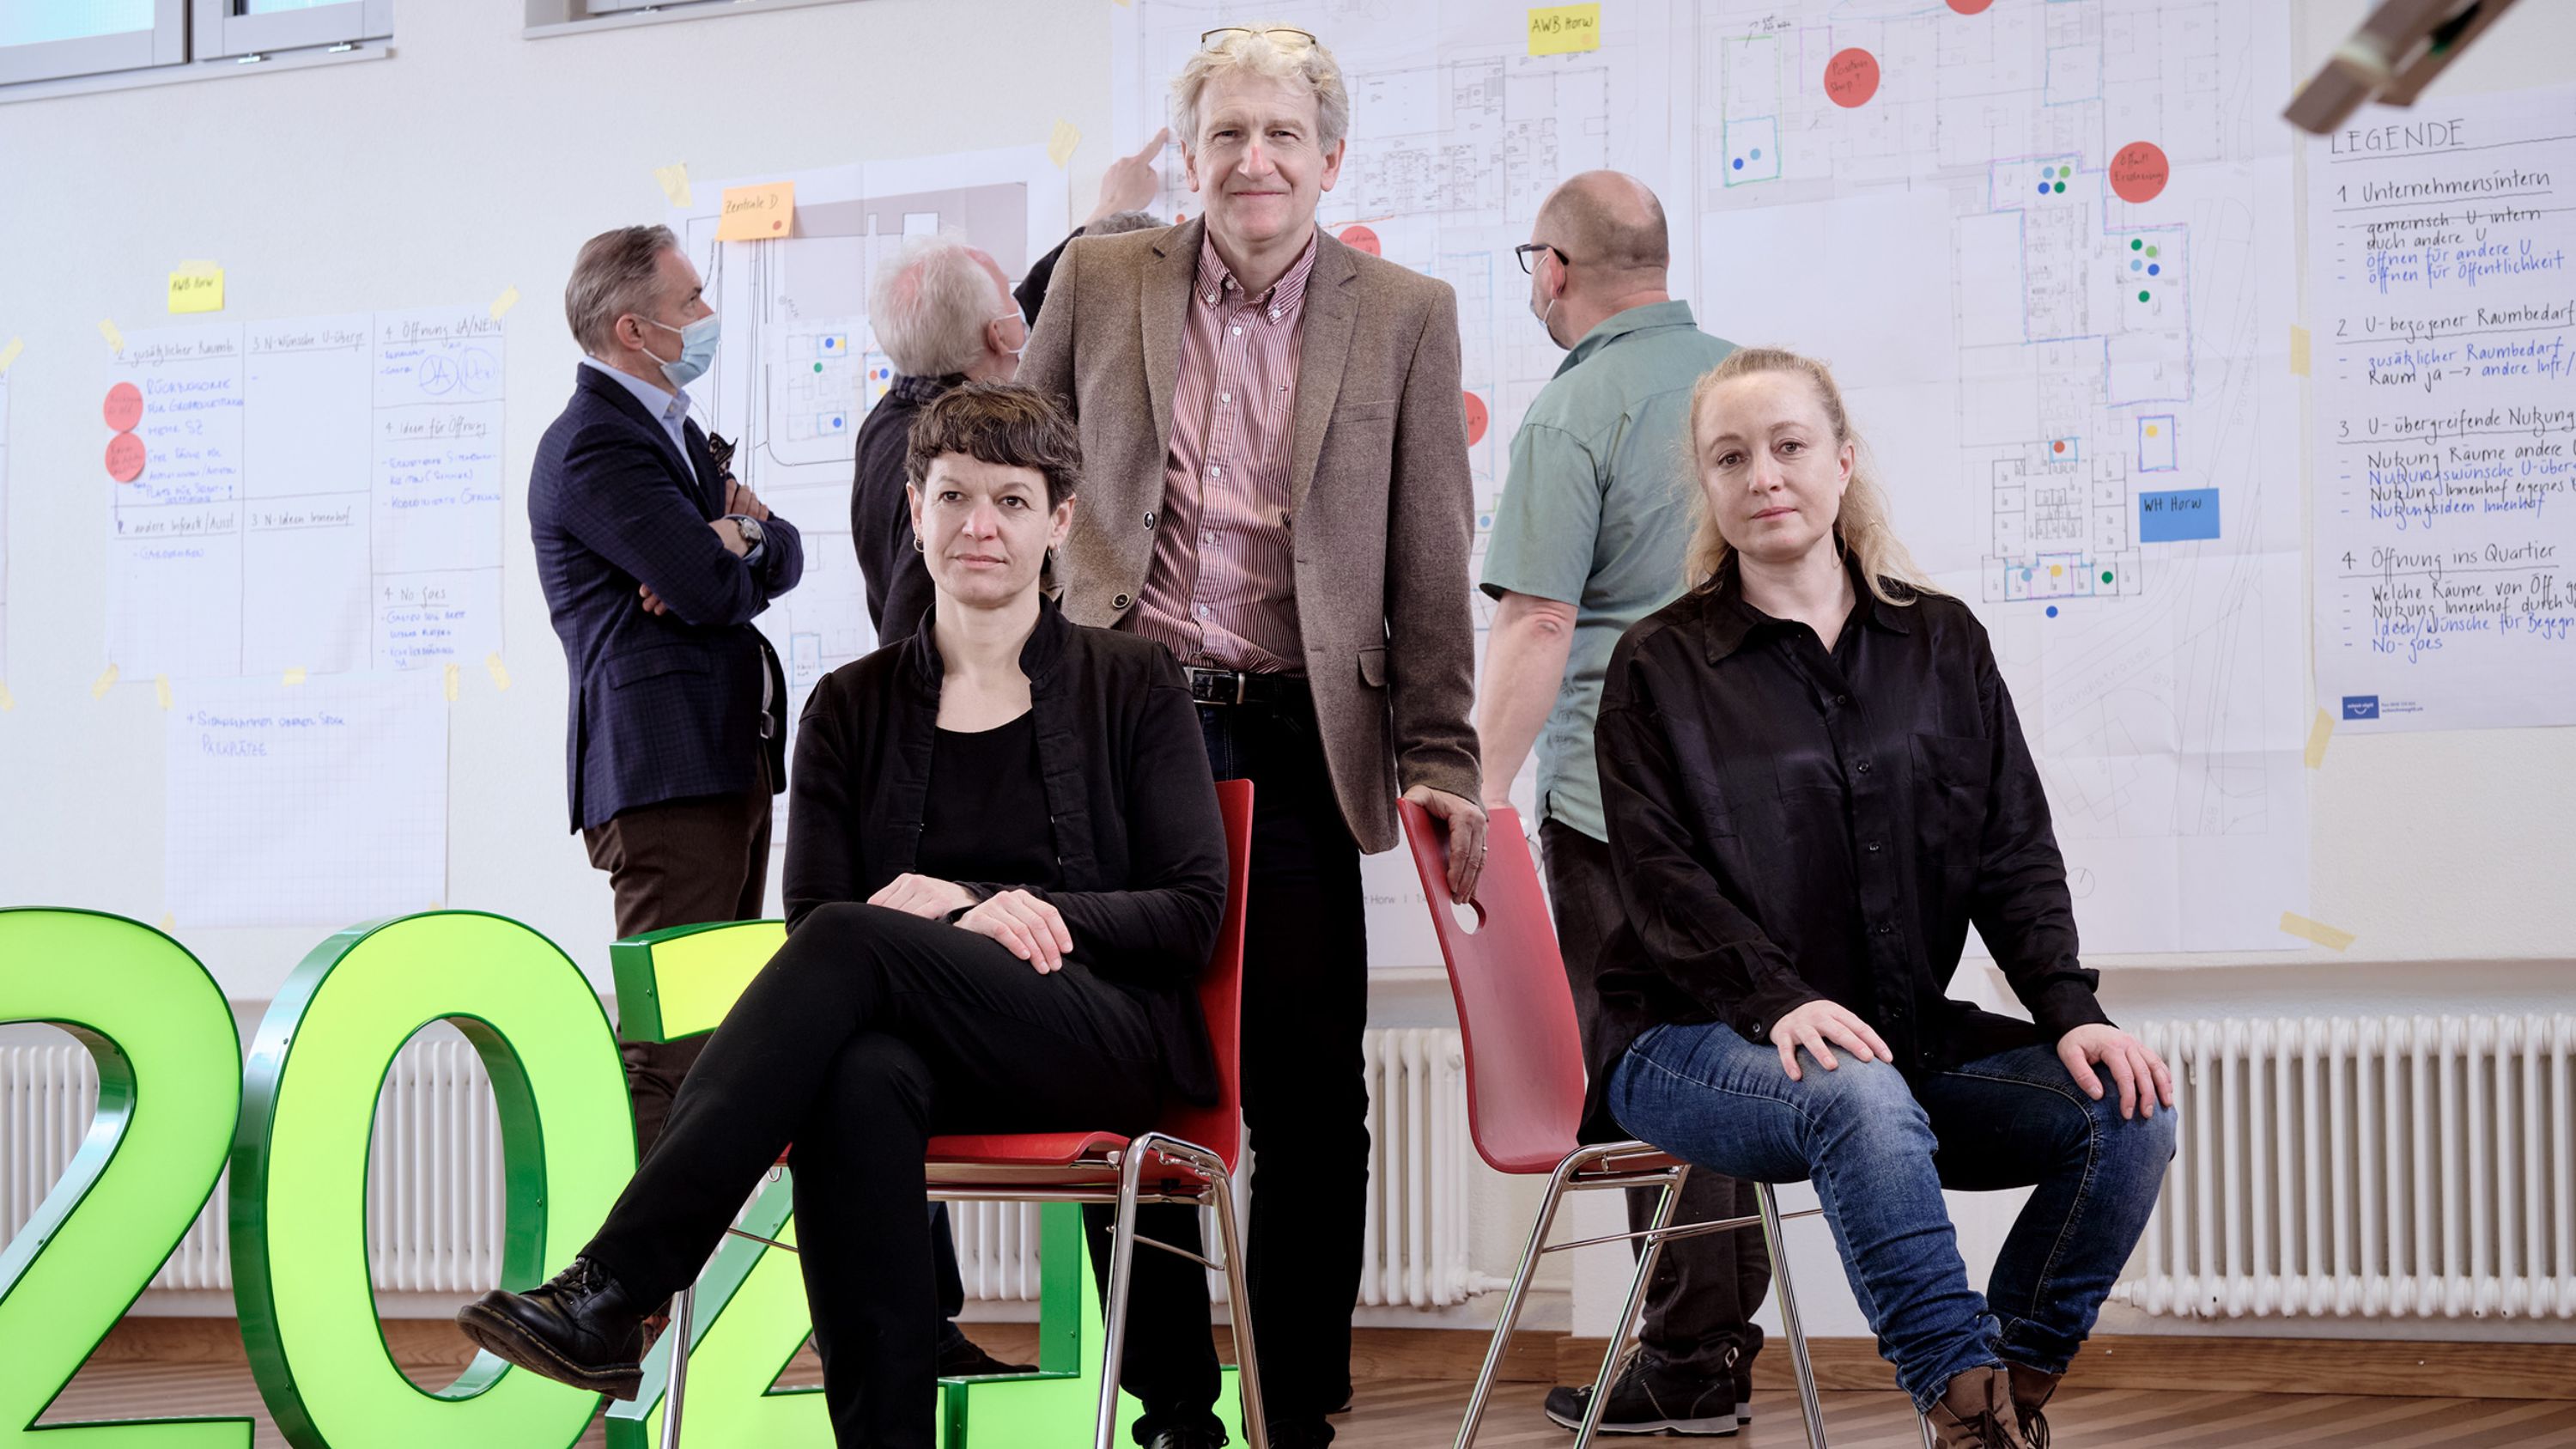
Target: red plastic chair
(1188, 1158)
(1525, 1104)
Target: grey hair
(1252, 50)
(617, 272)
(1118, 221)
(930, 306)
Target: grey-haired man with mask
(654, 563)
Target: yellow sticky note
(675, 181)
(169, 923)
(1564, 29)
(508, 299)
(115, 339)
(451, 683)
(9, 354)
(197, 287)
(161, 690)
(2298, 351)
(2317, 931)
(1061, 141)
(295, 676)
(8, 701)
(758, 213)
(2318, 733)
(500, 672)
(106, 681)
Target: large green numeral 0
(169, 1087)
(300, 1182)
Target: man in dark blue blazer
(654, 564)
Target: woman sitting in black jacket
(1005, 870)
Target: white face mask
(697, 350)
(1014, 315)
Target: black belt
(1237, 686)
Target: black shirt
(1789, 822)
(986, 815)
(897, 580)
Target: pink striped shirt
(1221, 591)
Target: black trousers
(867, 1034)
(1305, 1005)
(1700, 1304)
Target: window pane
(72, 20)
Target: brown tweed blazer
(1379, 499)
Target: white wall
(474, 160)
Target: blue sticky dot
(2152, 270)
(2133, 266)
(2025, 576)
(1739, 163)
(2043, 188)
(1757, 153)
(2052, 611)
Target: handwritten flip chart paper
(197, 287)
(758, 213)
(320, 493)
(307, 805)
(2443, 261)
(1564, 29)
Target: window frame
(223, 35)
(548, 18)
(164, 44)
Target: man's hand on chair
(1465, 820)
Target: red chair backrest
(1219, 1125)
(1515, 1009)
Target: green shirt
(1596, 513)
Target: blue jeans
(1880, 1148)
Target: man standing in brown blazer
(1276, 486)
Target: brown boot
(2030, 1391)
(1976, 1412)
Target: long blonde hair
(1860, 529)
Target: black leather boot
(580, 1327)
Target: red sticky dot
(778, 226)
(1851, 77)
(125, 457)
(1970, 7)
(1360, 238)
(2139, 172)
(124, 407)
(1476, 419)
(2058, 447)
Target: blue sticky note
(2178, 516)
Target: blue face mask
(697, 350)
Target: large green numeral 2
(299, 1187)
(169, 1088)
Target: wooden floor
(1402, 1414)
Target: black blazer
(663, 706)
(1131, 800)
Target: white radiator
(434, 1176)
(2375, 1167)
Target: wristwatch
(753, 535)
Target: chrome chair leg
(1808, 1404)
(1238, 1300)
(1653, 1249)
(676, 1385)
(1122, 1263)
(1502, 1339)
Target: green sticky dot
(818, 367)
(2135, 243)
(2061, 186)
(2151, 251)
(2106, 576)
(2142, 296)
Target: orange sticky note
(758, 213)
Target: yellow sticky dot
(2332, 938)
(452, 677)
(2151, 430)
(508, 299)
(500, 672)
(2056, 570)
(295, 676)
(161, 690)
(106, 681)
(1061, 141)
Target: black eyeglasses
(1205, 36)
(1527, 249)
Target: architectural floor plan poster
(2048, 249)
(316, 494)
(2443, 303)
(798, 369)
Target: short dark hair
(999, 422)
